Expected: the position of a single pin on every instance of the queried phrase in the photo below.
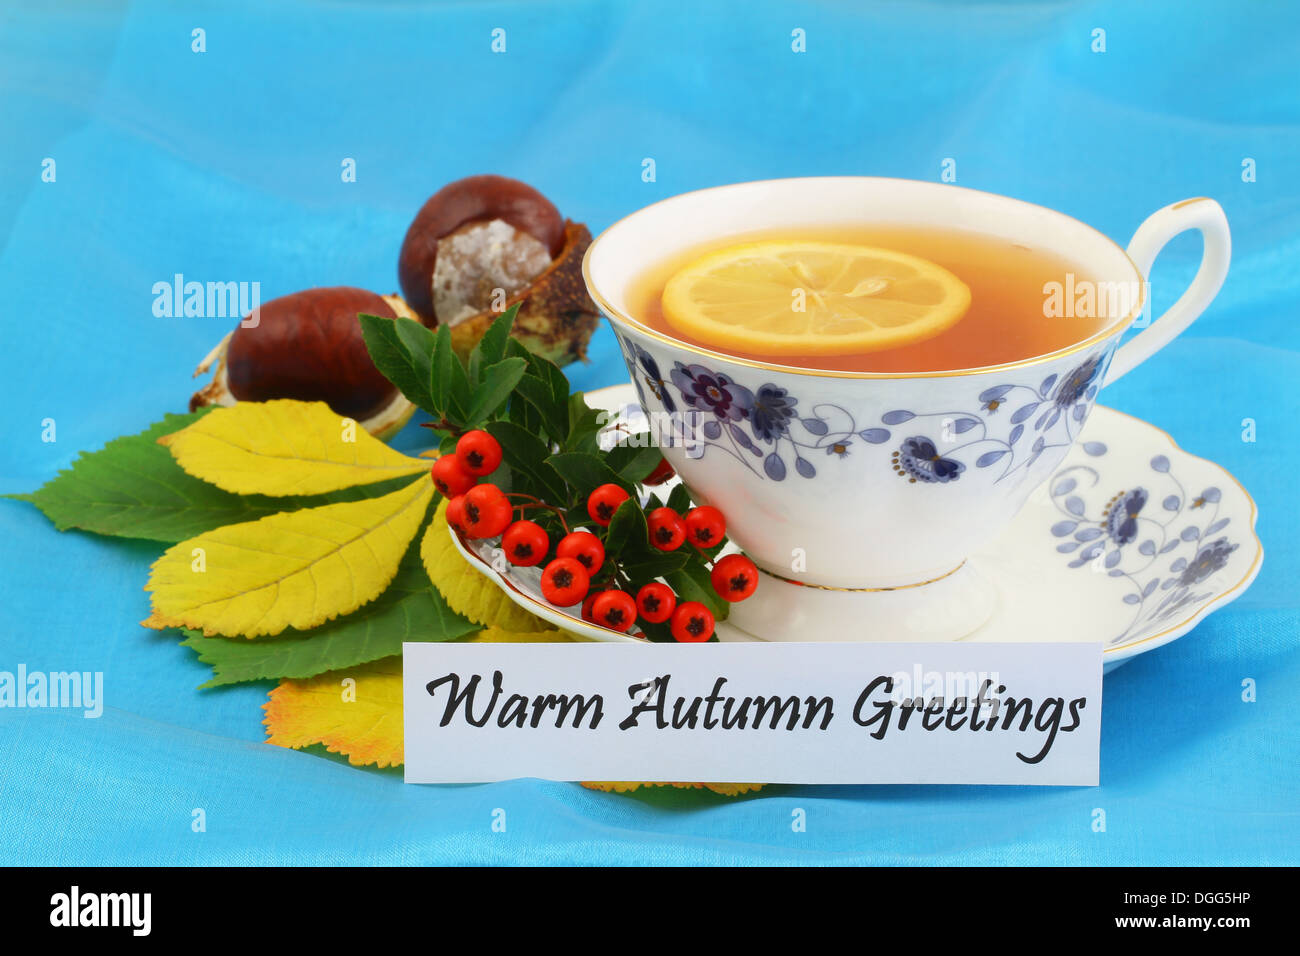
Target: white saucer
(1073, 565)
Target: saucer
(1132, 542)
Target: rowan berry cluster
(577, 571)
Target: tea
(1024, 302)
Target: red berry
(450, 477)
(583, 546)
(734, 577)
(525, 543)
(586, 606)
(479, 452)
(614, 609)
(705, 526)
(656, 602)
(662, 472)
(565, 582)
(692, 623)
(667, 529)
(487, 512)
(456, 513)
(604, 501)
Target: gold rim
(896, 587)
(1116, 329)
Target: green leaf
(627, 529)
(450, 384)
(550, 373)
(658, 564)
(659, 633)
(526, 455)
(633, 464)
(554, 415)
(584, 472)
(491, 348)
(460, 393)
(442, 359)
(411, 609)
(498, 382)
(133, 488)
(419, 343)
(692, 583)
(526, 416)
(679, 499)
(387, 342)
(585, 424)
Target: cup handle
(1205, 215)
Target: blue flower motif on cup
(767, 424)
(1054, 411)
(1078, 384)
(712, 391)
(772, 412)
(763, 424)
(1164, 554)
(644, 364)
(919, 460)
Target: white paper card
(754, 712)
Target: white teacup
(864, 503)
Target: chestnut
(308, 346)
(484, 243)
(475, 199)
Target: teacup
(863, 510)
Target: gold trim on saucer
(1115, 329)
(896, 587)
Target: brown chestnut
(308, 346)
(556, 316)
(475, 199)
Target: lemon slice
(812, 298)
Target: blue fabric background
(225, 165)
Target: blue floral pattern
(1165, 552)
(645, 369)
(1053, 413)
(768, 428)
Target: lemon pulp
(812, 298)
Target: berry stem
(531, 501)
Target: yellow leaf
(499, 635)
(466, 591)
(284, 447)
(368, 727)
(293, 569)
(733, 789)
(622, 786)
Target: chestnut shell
(556, 315)
(308, 346)
(473, 199)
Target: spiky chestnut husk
(308, 346)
